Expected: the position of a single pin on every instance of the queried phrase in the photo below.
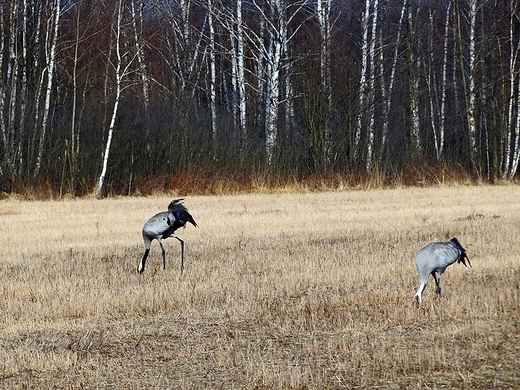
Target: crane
(164, 225)
(434, 258)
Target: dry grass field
(280, 291)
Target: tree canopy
(129, 94)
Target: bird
(434, 258)
(164, 225)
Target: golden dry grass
(287, 291)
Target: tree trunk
(212, 72)
(387, 97)
(471, 92)
(511, 143)
(51, 59)
(363, 83)
(118, 74)
(439, 147)
(323, 8)
(414, 65)
(372, 77)
(241, 74)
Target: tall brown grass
(283, 291)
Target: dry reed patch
(279, 291)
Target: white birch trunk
(74, 134)
(212, 71)
(514, 124)
(516, 148)
(142, 65)
(23, 90)
(14, 81)
(235, 89)
(439, 147)
(363, 86)
(276, 19)
(39, 89)
(241, 82)
(3, 129)
(471, 76)
(51, 58)
(11, 80)
(431, 81)
(414, 68)
(511, 134)
(372, 55)
(323, 8)
(118, 74)
(272, 94)
(387, 98)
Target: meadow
(279, 291)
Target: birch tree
(83, 35)
(516, 148)
(323, 14)
(439, 141)
(363, 84)
(119, 73)
(365, 118)
(511, 142)
(371, 87)
(137, 26)
(3, 128)
(241, 82)
(24, 90)
(276, 16)
(387, 96)
(414, 65)
(4, 90)
(212, 72)
(471, 81)
(50, 57)
(437, 86)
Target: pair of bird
(432, 259)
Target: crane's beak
(463, 260)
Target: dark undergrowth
(224, 182)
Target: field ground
(292, 291)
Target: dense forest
(118, 96)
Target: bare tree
(365, 117)
(439, 140)
(323, 14)
(241, 81)
(387, 96)
(50, 57)
(276, 16)
(120, 72)
(511, 142)
(414, 65)
(212, 71)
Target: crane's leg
(140, 267)
(437, 277)
(163, 253)
(182, 250)
(423, 280)
(419, 292)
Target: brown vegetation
(292, 291)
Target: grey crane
(164, 225)
(434, 258)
